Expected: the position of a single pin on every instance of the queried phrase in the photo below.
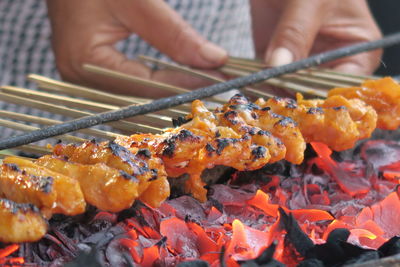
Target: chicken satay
(20, 222)
(240, 113)
(334, 121)
(104, 187)
(110, 154)
(245, 148)
(23, 181)
(382, 94)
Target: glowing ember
(287, 213)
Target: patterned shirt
(25, 39)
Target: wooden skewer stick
(92, 94)
(138, 80)
(168, 102)
(28, 128)
(154, 119)
(308, 79)
(351, 79)
(279, 83)
(183, 69)
(257, 63)
(134, 79)
(34, 149)
(47, 122)
(121, 125)
(199, 74)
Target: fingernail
(280, 56)
(213, 53)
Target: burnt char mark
(259, 152)
(179, 121)
(339, 108)
(262, 132)
(182, 136)
(222, 143)
(239, 99)
(249, 130)
(14, 207)
(13, 167)
(120, 151)
(154, 175)
(276, 116)
(217, 134)
(266, 109)
(249, 106)
(317, 110)
(291, 103)
(170, 148)
(210, 149)
(145, 153)
(127, 176)
(286, 121)
(45, 183)
(138, 166)
(232, 116)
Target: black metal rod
(168, 102)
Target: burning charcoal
(188, 206)
(85, 259)
(390, 247)
(331, 252)
(117, 252)
(264, 260)
(195, 263)
(337, 235)
(366, 256)
(296, 236)
(104, 236)
(311, 263)
(337, 251)
(380, 153)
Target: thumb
(295, 32)
(164, 28)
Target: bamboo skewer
(120, 125)
(134, 79)
(93, 95)
(346, 79)
(80, 104)
(28, 128)
(47, 122)
(199, 74)
(279, 83)
(34, 149)
(182, 69)
(141, 81)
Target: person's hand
(289, 30)
(87, 31)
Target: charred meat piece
(242, 115)
(111, 154)
(23, 181)
(382, 94)
(20, 222)
(103, 187)
(336, 121)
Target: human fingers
(165, 29)
(86, 32)
(296, 30)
